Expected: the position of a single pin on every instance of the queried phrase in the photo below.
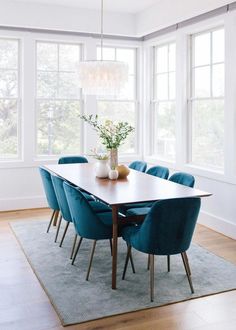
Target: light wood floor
(25, 306)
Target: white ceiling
(122, 6)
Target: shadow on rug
(77, 300)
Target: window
(124, 106)
(9, 99)
(58, 101)
(164, 102)
(207, 99)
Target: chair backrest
(183, 178)
(168, 227)
(138, 165)
(159, 171)
(72, 160)
(61, 197)
(49, 189)
(87, 224)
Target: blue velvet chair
(167, 230)
(88, 224)
(183, 178)
(64, 208)
(159, 171)
(72, 160)
(138, 166)
(50, 195)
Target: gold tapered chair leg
(55, 218)
(52, 216)
(64, 233)
(76, 251)
(132, 262)
(148, 262)
(73, 247)
(126, 260)
(168, 263)
(151, 277)
(58, 228)
(110, 245)
(187, 272)
(187, 263)
(91, 260)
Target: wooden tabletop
(137, 187)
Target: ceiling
(122, 6)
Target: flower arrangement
(112, 134)
(98, 156)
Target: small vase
(113, 174)
(102, 169)
(113, 158)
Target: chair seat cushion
(99, 207)
(138, 211)
(124, 208)
(87, 196)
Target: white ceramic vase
(113, 174)
(101, 169)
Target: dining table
(135, 188)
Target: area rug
(77, 300)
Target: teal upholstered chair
(138, 165)
(183, 178)
(50, 195)
(64, 208)
(72, 160)
(167, 229)
(159, 171)
(88, 224)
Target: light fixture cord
(101, 30)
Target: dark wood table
(137, 187)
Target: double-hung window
(163, 102)
(10, 105)
(122, 107)
(207, 100)
(58, 99)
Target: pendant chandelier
(102, 77)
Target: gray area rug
(77, 300)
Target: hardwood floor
(25, 306)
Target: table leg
(114, 244)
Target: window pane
(164, 144)
(68, 87)
(47, 85)
(202, 82)
(162, 59)
(218, 80)
(202, 49)
(8, 129)
(8, 83)
(68, 57)
(162, 86)
(127, 56)
(119, 111)
(172, 57)
(47, 56)
(172, 85)
(108, 53)
(8, 54)
(218, 46)
(208, 133)
(128, 92)
(58, 127)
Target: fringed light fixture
(102, 77)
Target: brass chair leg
(77, 250)
(58, 228)
(132, 262)
(110, 245)
(187, 263)
(148, 263)
(91, 260)
(151, 277)
(73, 247)
(64, 234)
(168, 263)
(52, 216)
(187, 273)
(126, 260)
(55, 218)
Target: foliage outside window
(58, 103)
(164, 132)
(121, 107)
(9, 99)
(207, 99)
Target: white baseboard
(218, 224)
(21, 203)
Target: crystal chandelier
(102, 77)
